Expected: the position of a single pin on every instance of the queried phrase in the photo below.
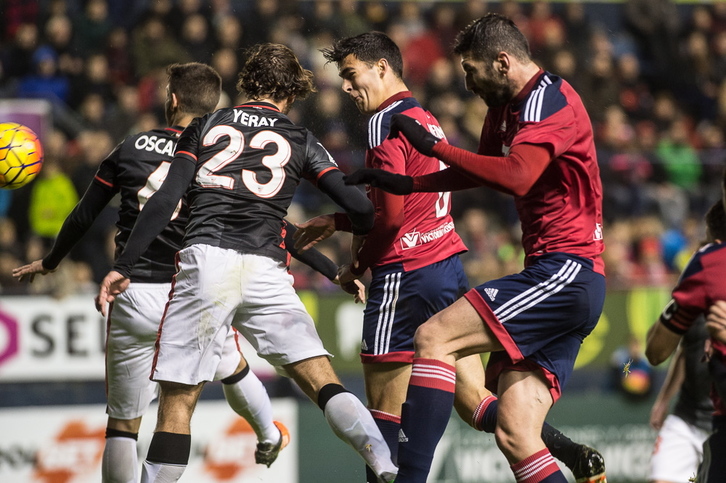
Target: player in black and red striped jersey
(699, 287)
(135, 169)
(239, 168)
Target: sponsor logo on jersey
(156, 144)
(414, 238)
(491, 293)
(597, 235)
(436, 131)
(503, 127)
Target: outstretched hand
(397, 184)
(29, 271)
(416, 134)
(113, 284)
(312, 231)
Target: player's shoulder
(379, 125)
(550, 95)
(710, 254)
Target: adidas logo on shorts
(491, 292)
(402, 438)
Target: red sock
(538, 468)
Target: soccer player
(678, 448)
(239, 168)
(412, 252)
(537, 145)
(136, 169)
(699, 287)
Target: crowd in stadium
(652, 74)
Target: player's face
(363, 83)
(483, 79)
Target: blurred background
(85, 74)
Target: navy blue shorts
(541, 316)
(399, 302)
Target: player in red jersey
(239, 168)
(536, 144)
(699, 287)
(412, 252)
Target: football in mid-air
(21, 155)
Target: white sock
(353, 423)
(248, 398)
(120, 463)
(161, 472)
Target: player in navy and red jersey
(412, 251)
(699, 287)
(239, 168)
(536, 144)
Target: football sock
(120, 461)
(353, 423)
(167, 457)
(561, 447)
(538, 468)
(485, 415)
(390, 425)
(247, 396)
(424, 417)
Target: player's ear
(382, 66)
(174, 101)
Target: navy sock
(389, 425)
(424, 417)
(485, 416)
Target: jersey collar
(263, 105)
(527, 87)
(174, 129)
(394, 98)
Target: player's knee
(426, 338)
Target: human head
(716, 223)
(272, 71)
(193, 89)
(371, 67)
(489, 48)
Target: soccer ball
(21, 155)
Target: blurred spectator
(52, 197)
(92, 27)
(120, 65)
(655, 26)
(195, 38)
(631, 374)
(352, 22)
(45, 82)
(18, 57)
(153, 48)
(95, 80)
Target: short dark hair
(716, 221)
(485, 37)
(273, 71)
(369, 47)
(197, 87)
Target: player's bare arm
(716, 321)
(660, 343)
(29, 271)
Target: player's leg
(713, 467)
(347, 416)
(678, 451)
(191, 338)
(247, 396)
(451, 334)
(170, 446)
(478, 407)
(274, 320)
(130, 336)
(524, 401)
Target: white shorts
(678, 451)
(131, 331)
(217, 288)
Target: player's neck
(282, 105)
(181, 120)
